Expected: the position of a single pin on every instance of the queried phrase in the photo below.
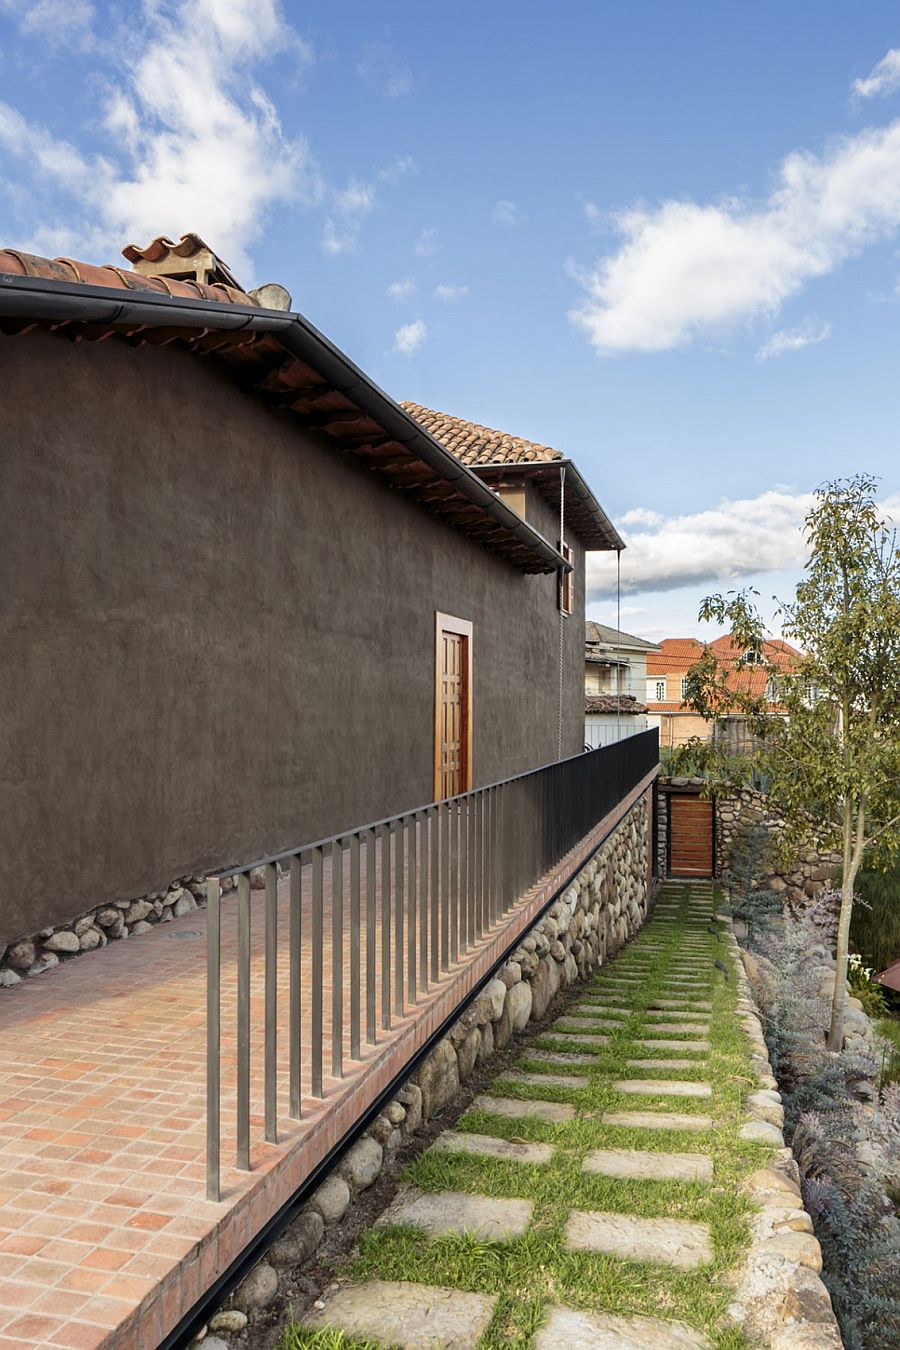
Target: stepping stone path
(652, 1037)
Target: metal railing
(385, 911)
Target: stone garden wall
(744, 808)
(605, 905)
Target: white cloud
(444, 292)
(730, 540)
(792, 339)
(384, 70)
(349, 207)
(401, 290)
(409, 337)
(428, 243)
(593, 215)
(883, 78)
(507, 215)
(56, 22)
(196, 144)
(685, 268)
(640, 516)
(734, 539)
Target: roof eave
(49, 300)
(535, 467)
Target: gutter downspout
(618, 644)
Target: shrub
(848, 1150)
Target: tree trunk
(854, 836)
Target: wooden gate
(691, 836)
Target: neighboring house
(667, 672)
(249, 600)
(615, 675)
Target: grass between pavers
(530, 1272)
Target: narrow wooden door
(453, 707)
(691, 852)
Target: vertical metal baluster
(399, 851)
(337, 959)
(453, 898)
(213, 1037)
(477, 859)
(386, 927)
(471, 807)
(444, 817)
(271, 1055)
(412, 859)
(463, 809)
(422, 827)
(318, 944)
(371, 924)
(243, 1027)
(354, 946)
(295, 991)
(435, 892)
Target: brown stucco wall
(217, 633)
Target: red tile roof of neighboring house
(475, 444)
(611, 703)
(675, 655)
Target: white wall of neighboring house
(606, 728)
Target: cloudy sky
(663, 238)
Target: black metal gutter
(190, 1324)
(49, 301)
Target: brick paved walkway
(604, 1143)
(106, 1239)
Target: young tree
(833, 756)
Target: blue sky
(662, 238)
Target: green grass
(533, 1271)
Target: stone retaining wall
(779, 1302)
(605, 905)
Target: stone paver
(698, 1046)
(487, 1146)
(702, 1005)
(657, 1120)
(673, 1242)
(560, 1080)
(560, 1057)
(481, 1216)
(679, 1028)
(551, 1112)
(639, 1165)
(580, 1329)
(571, 1038)
(586, 1024)
(412, 1316)
(663, 1064)
(668, 1087)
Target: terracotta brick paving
(106, 1239)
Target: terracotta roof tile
(475, 444)
(609, 703)
(20, 264)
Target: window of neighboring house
(771, 690)
(752, 658)
(660, 694)
(812, 694)
(684, 684)
(566, 583)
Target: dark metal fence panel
(405, 901)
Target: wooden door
(691, 850)
(453, 707)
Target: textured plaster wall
(217, 632)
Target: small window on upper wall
(566, 583)
(660, 691)
(684, 685)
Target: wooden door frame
(448, 623)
